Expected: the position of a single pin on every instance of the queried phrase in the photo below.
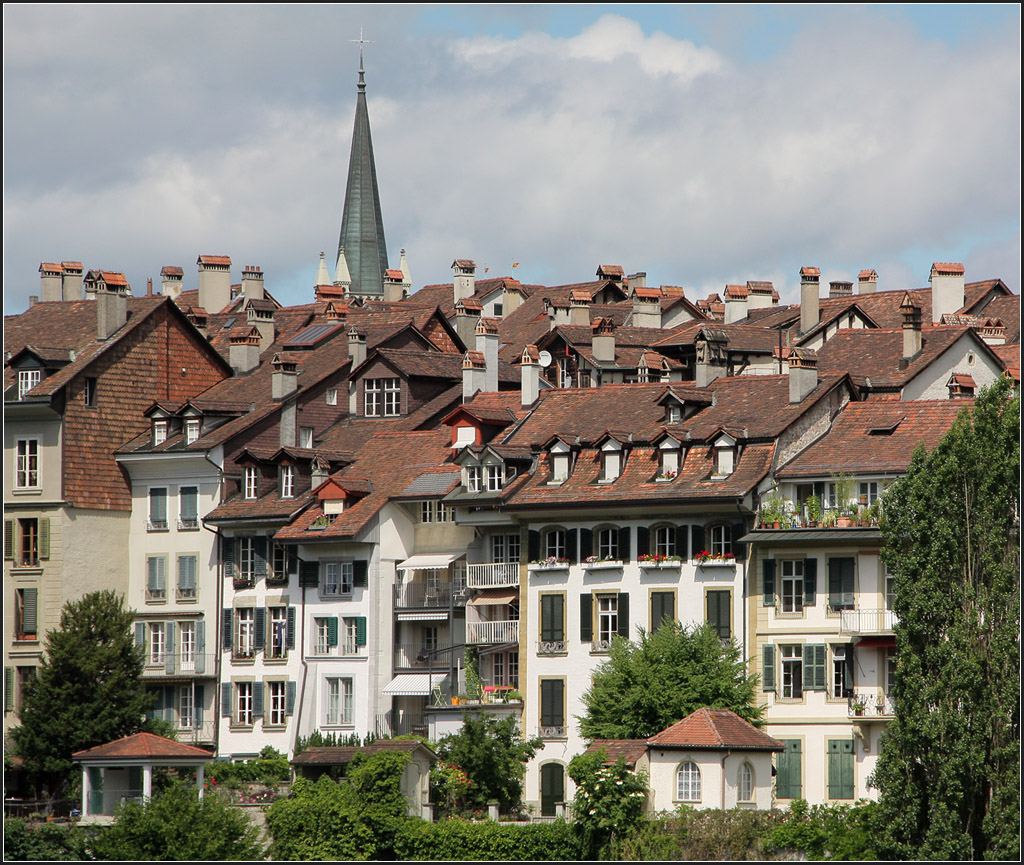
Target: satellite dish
(545, 359)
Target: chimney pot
(803, 373)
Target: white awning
(496, 596)
(428, 561)
(414, 684)
(422, 616)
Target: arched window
(688, 782)
(745, 783)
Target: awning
(878, 641)
(496, 596)
(428, 561)
(414, 684)
(422, 616)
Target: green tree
(949, 770)
(494, 754)
(88, 689)
(648, 684)
(609, 802)
(178, 825)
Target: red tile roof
(715, 729)
(631, 749)
(142, 745)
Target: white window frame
(665, 541)
(339, 579)
(277, 702)
(839, 686)
(159, 432)
(506, 549)
(186, 708)
(721, 540)
(474, 478)
(187, 646)
(244, 704)
(245, 632)
(348, 637)
(494, 477)
(157, 655)
(277, 632)
(28, 379)
(338, 702)
(607, 618)
(791, 585)
(392, 397)
(332, 396)
(192, 428)
(792, 678)
(306, 437)
(321, 627)
(688, 782)
(27, 467)
(287, 482)
(246, 557)
(745, 783)
(251, 482)
(554, 543)
(608, 543)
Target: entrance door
(552, 788)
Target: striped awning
(422, 616)
(414, 684)
(496, 596)
(428, 561)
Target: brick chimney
(803, 373)
(809, 311)
(356, 346)
(252, 283)
(760, 295)
(735, 303)
(947, 280)
(911, 330)
(214, 282)
(603, 340)
(51, 278)
(71, 282)
(284, 380)
(474, 374)
(244, 351)
(465, 278)
(579, 307)
(529, 365)
(840, 289)
(487, 345)
(171, 281)
(867, 281)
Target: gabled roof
(630, 749)
(144, 745)
(714, 730)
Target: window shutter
(696, 540)
(625, 553)
(586, 617)
(260, 550)
(257, 699)
(8, 689)
(586, 543)
(810, 582)
(186, 574)
(682, 542)
(30, 608)
(570, 546)
(768, 668)
(200, 647)
(225, 700)
(44, 538)
(360, 574)
(661, 608)
(289, 698)
(768, 583)
(834, 583)
(289, 639)
(140, 634)
(227, 555)
(169, 657)
(718, 613)
(815, 673)
(846, 582)
(552, 616)
(821, 667)
(533, 545)
(788, 770)
(546, 703)
(623, 615)
(739, 550)
(8, 539)
(226, 623)
(153, 578)
(360, 630)
(261, 628)
(200, 693)
(643, 541)
(332, 631)
(309, 574)
(848, 672)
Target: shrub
(455, 840)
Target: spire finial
(362, 42)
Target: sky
(702, 144)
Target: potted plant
(772, 511)
(858, 707)
(829, 519)
(813, 505)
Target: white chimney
(646, 306)
(465, 278)
(867, 281)
(947, 279)
(487, 345)
(244, 352)
(260, 314)
(252, 282)
(712, 357)
(760, 295)
(603, 340)
(111, 306)
(356, 346)
(529, 364)
(284, 380)
(809, 312)
(579, 307)
(467, 316)
(474, 374)
(803, 373)
(71, 283)
(735, 303)
(911, 330)
(840, 289)
(171, 281)
(214, 282)
(51, 279)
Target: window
(724, 461)
(719, 613)
(338, 579)
(351, 630)
(89, 392)
(326, 635)
(187, 646)
(287, 482)
(278, 646)
(382, 397)
(890, 589)
(306, 437)
(159, 432)
(244, 705)
(157, 643)
(890, 670)
(721, 541)
(840, 583)
(788, 770)
(611, 465)
(29, 542)
(186, 708)
(792, 672)
(674, 413)
(26, 603)
(552, 708)
(188, 508)
(607, 619)
(745, 783)
(841, 685)
(464, 435)
(187, 577)
(28, 379)
(245, 644)
(552, 788)
(332, 396)
(505, 548)
(251, 482)
(608, 543)
(392, 397)
(339, 701)
(840, 768)
(285, 562)
(278, 703)
(26, 473)
(552, 623)
(191, 430)
(792, 585)
(246, 557)
(554, 544)
(663, 606)
(495, 476)
(688, 782)
(559, 463)
(157, 510)
(868, 492)
(668, 466)
(156, 578)
(474, 478)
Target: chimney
(465, 278)
(840, 289)
(319, 472)
(111, 308)
(284, 380)
(558, 312)
(342, 279)
(149, 287)
(171, 281)
(579, 307)
(51, 278)
(735, 303)
(252, 282)
(809, 314)
(867, 281)
(511, 296)
(529, 364)
(214, 282)
(487, 345)
(474, 374)
(611, 272)
(260, 314)
(244, 352)
(760, 295)
(394, 286)
(603, 340)
(803, 373)
(947, 279)
(911, 330)
(646, 306)
(712, 360)
(467, 316)
(33, 299)
(71, 284)
(637, 280)
(356, 346)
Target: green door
(788, 770)
(552, 788)
(95, 790)
(840, 768)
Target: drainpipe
(726, 757)
(301, 697)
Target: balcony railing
(876, 706)
(551, 647)
(419, 657)
(493, 575)
(387, 725)
(867, 621)
(492, 632)
(421, 595)
(194, 664)
(199, 734)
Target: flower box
(533, 567)
(607, 565)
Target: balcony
(419, 596)
(492, 632)
(416, 656)
(398, 722)
(871, 707)
(493, 575)
(866, 622)
(196, 664)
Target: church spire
(362, 226)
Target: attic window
(725, 456)
(673, 413)
(332, 396)
(884, 430)
(611, 462)
(191, 430)
(28, 379)
(229, 323)
(89, 392)
(464, 435)
(159, 432)
(668, 460)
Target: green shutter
(570, 546)
(768, 582)
(718, 612)
(8, 689)
(360, 630)
(198, 707)
(8, 539)
(552, 713)
(788, 770)
(186, 574)
(586, 543)
(44, 538)
(140, 634)
(552, 788)
(622, 615)
(289, 698)
(815, 667)
(309, 574)
(586, 617)
(225, 700)
(552, 617)
(95, 790)
(768, 668)
(30, 611)
(290, 629)
(332, 631)
(840, 769)
(257, 700)
(200, 646)
(810, 581)
(227, 555)
(169, 647)
(840, 583)
(360, 574)
(260, 629)
(661, 608)
(260, 552)
(739, 550)
(696, 540)
(625, 553)
(226, 624)
(683, 542)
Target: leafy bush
(826, 831)
(316, 739)
(269, 769)
(455, 840)
(609, 802)
(43, 841)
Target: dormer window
(306, 437)
(725, 456)
(560, 458)
(668, 460)
(494, 474)
(474, 478)
(464, 435)
(287, 482)
(28, 379)
(159, 432)
(251, 482)
(611, 461)
(332, 396)
(674, 413)
(382, 397)
(191, 430)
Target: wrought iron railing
(493, 575)
(875, 705)
(177, 664)
(867, 621)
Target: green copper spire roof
(362, 226)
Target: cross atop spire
(362, 42)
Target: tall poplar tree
(949, 770)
